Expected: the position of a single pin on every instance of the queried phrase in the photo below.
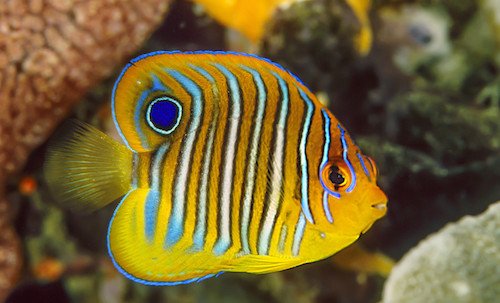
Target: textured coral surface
(51, 52)
(460, 263)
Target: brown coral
(51, 52)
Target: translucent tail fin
(85, 168)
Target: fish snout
(380, 206)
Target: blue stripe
(324, 161)
(252, 161)
(299, 234)
(157, 85)
(304, 201)
(365, 169)
(203, 72)
(151, 213)
(153, 198)
(346, 159)
(326, 151)
(326, 146)
(139, 110)
(235, 90)
(176, 220)
(113, 105)
(285, 101)
(326, 207)
(175, 52)
(137, 118)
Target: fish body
(231, 165)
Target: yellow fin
(86, 169)
(364, 38)
(258, 264)
(356, 258)
(234, 14)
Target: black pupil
(335, 176)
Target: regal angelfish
(230, 164)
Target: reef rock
(460, 263)
(51, 53)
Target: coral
(51, 52)
(460, 263)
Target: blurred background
(416, 83)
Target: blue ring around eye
(164, 115)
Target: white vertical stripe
(200, 229)
(153, 198)
(227, 174)
(252, 160)
(176, 220)
(202, 201)
(277, 170)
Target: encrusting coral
(51, 52)
(460, 263)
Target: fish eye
(334, 176)
(163, 115)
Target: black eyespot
(336, 177)
(163, 115)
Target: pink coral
(51, 52)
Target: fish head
(353, 198)
(347, 199)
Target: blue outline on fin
(113, 101)
(142, 281)
(207, 52)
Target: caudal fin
(86, 169)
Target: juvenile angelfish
(230, 164)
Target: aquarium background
(416, 83)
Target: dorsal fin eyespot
(163, 115)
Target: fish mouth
(380, 206)
(379, 209)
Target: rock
(460, 263)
